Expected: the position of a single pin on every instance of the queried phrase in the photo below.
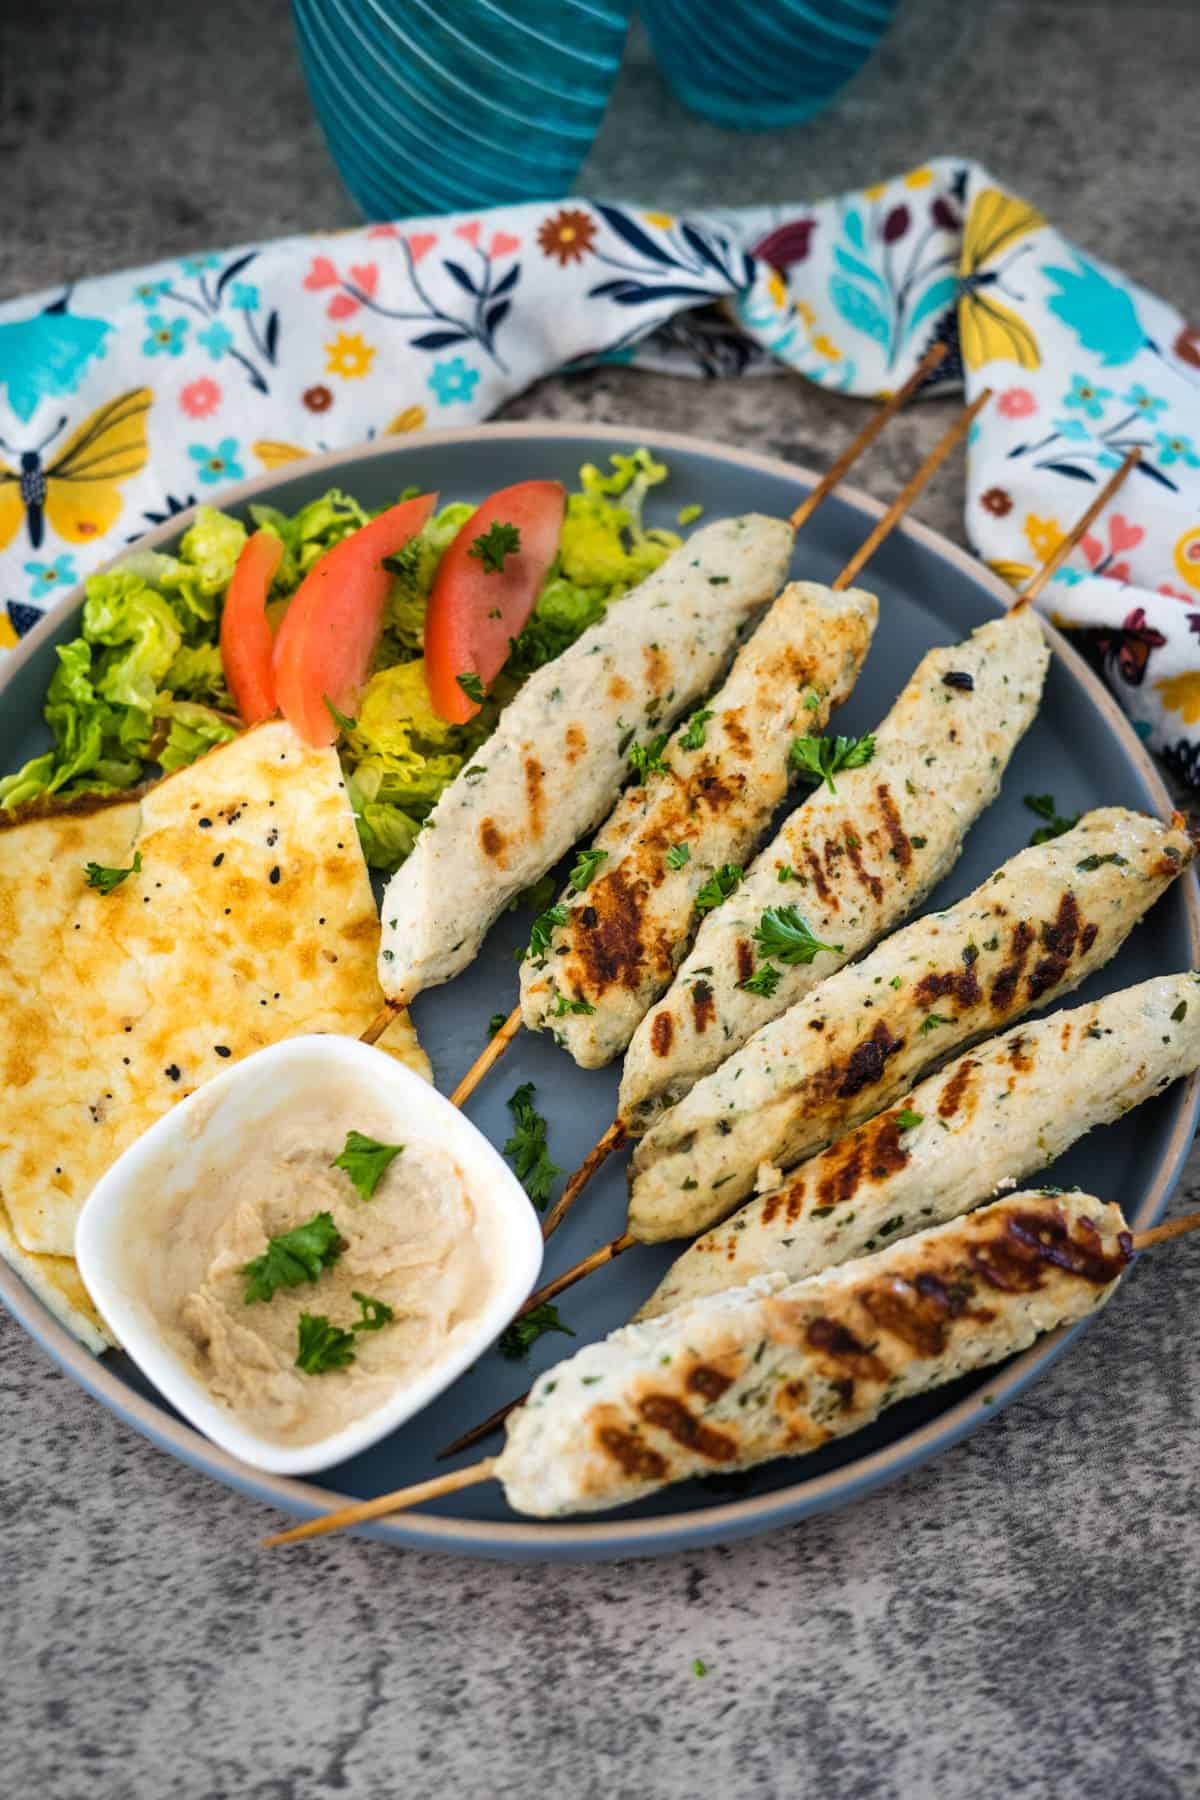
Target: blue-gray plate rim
(608, 1538)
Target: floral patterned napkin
(128, 397)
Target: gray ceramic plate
(1081, 748)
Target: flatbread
(251, 920)
(58, 1285)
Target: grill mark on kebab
(745, 960)
(872, 883)
(1009, 973)
(662, 1033)
(708, 1382)
(1015, 1258)
(671, 1415)
(631, 1456)
(1060, 937)
(535, 777)
(611, 951)
(491, 841)
(956, 1090)
(576, 742)
(813, 864)
(898, 838)
(864, 1066)
(704, 1009)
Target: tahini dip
(423, 1245)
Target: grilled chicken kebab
(853, 862)
(1032, 932)
(552, 768)
(704, 800)
(986, 1121)
(774, 1370)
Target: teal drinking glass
(756, 64)
(440, 107)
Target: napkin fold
(127, 397)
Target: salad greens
(143, 684)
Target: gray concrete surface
(1019, 1618)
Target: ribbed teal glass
(438, 107)
(761, 63)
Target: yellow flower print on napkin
(918, 178)
(1187, 556)
(350, 356)
(411, 419)
(1181, 694)
(1043, 535)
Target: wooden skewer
(883, 526)
(807, 507)
(612, 1140)
(1060, 553)
(450, 1483)
(492, 1053)
(484, 1429)
(867, 436)
(380, 1022)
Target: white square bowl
(236, 1101)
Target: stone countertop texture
(1020, 1617)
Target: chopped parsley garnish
(405, 562)
(584, 873)
(646, 759)
(494, 544)
(516, 1340)
(782, 933)
(365, 1160)
(526, 1148)
(340, 719)
(699, 1666)
(677, 856)
(472, 687)
(822, 757)
(323, 1346)
(1091, 863)
(907, 1119)
(765, 979)
(495, 1023)
(930, 1022)
(105, 880)
(692, 737)
(563, 1005)
(720, 884)
(292, 1258)
(811, 702)
(375, 1314)
(543, 927)
(1180, 1012)
(1045, 806)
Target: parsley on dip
(307, 1250)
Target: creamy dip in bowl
(308, 1250)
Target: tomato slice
(474, 610)
(324, 646)
(246, 638)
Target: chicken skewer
(626, 983)
(556, 761)
(863, 857)
(988, 1119)
(773, 1370)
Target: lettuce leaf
(191, 730)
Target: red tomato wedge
(324, 646)
(246, 637)
(474, 610)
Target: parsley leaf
(472, 687)
(323, 1346)
(405, 562)
(646, 759)
(516, 1339)
(495, 1023)
(765, 979)
(930, 1022)
(677, 856)
(105, 880)
(692, 737)
(781, 932)
(1093, 862)
(340, 719)
(564, 1005)
(584, 872)
(526, 1148)
(1045, 806)
(822, 757)
(365, 1161)
(542, 928)
(375, 1313)
(720, 884)
(494, 544)
(907, 1119)
(292, 1258)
